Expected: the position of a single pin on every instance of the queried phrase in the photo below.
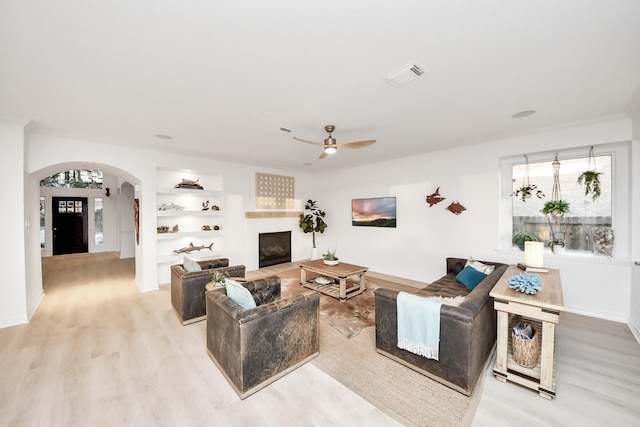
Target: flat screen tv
(374, 212)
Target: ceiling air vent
(406, 74)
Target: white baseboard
(31, 310)
(603, 316)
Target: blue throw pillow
(239, 294)
(190, 265)
(470, 277)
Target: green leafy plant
(556, 242)
(313, 220)
(219, 276)
(330, 255)
(526, 191)
(591, 181)
(556, 208)
(523, 236)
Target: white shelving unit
(190, 220)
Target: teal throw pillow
(470, 277)
(190, 265)
(239, 294)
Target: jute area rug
(348, 354)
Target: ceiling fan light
(330, 150)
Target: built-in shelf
(189, 220)
(272, 214)
(173, 212)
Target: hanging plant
(555, 208)
(527, 189)
(591, 178)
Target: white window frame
(620, 186)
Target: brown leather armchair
(256, 346)
(188, 288)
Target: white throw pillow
(239, 294)
(481, 267)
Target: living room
(469, 173)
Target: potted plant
(330, 258)
(523, 236)
(526, 191)
(591, 181)
(555, 208)
(312, 221)
(218, 278)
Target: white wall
(13, 299)
(126, 221)
(424, 236)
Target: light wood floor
(99, 352)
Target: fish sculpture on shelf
(170, 206)
(456, 208)
(191, 248)
(434, 199)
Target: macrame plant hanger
(592, 161)
(555, 192)
(526, 172)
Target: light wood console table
(543, 311)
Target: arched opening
(108, 211)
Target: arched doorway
(107, 214)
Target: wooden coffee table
(340, 272)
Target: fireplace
(274, 248)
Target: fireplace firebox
(274, 248)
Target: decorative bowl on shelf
(331, 262)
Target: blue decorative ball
(525, 282)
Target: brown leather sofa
(467, 332)
(187, 288)
(254, 347)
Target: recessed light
(521, 114)
(161, 136)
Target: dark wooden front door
(70, 225)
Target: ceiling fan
(330, 145)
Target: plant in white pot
(330, 258)
(312, 221)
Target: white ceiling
(222, 78)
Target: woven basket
(526, 352)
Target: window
(610, 209)
(78, 178)
(574, 228)
(42, 216)
(98, 232)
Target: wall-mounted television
(374, 212)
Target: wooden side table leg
(502, 346)
(547, 359)
(303, 276)
(362, 286)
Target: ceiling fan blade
(307, 141)
(323, 155)
(356, 144)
